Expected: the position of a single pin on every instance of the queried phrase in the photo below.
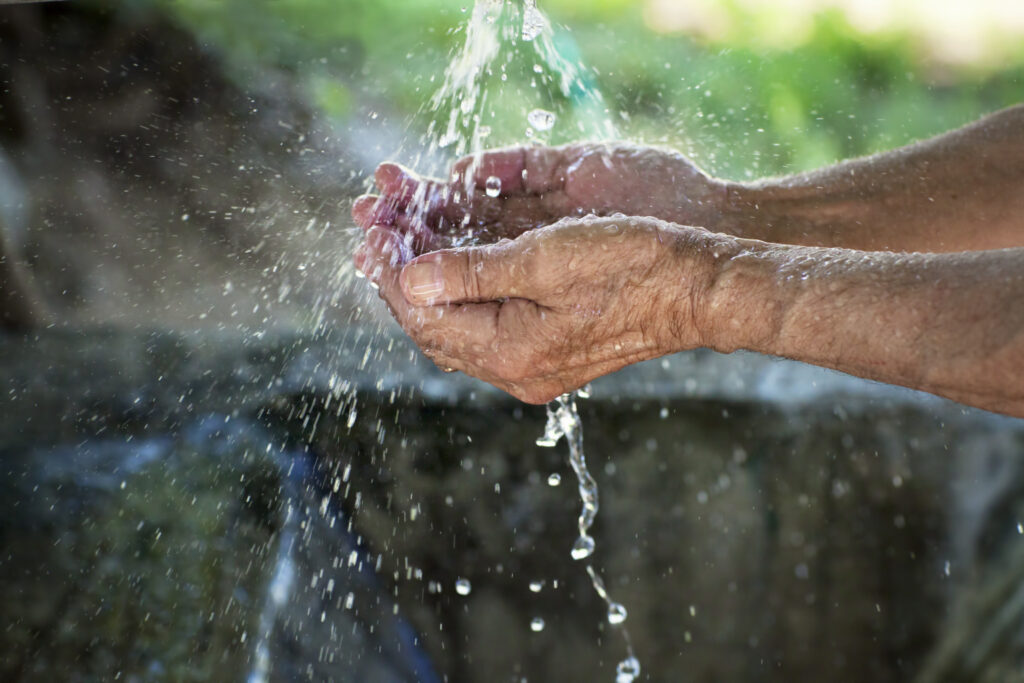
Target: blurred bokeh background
(219, 460)
(193, 134)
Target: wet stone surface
(200, 509)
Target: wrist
(743, 304)
(749, 211)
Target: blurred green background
(747, 88)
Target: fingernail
(423, 281)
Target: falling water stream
(564, 421)
(474, 110)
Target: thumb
(467, 275)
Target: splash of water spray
(508, 82)
(477, 108)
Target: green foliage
(739, 106)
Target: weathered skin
(563, 303)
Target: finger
(507, 165)
(369, 210)
(418, 237)
(394, 181)
(359, 259)
(458, 331)
(384, 252)
(470, 274)
(521, 169)
(436, 204)
(406, 189)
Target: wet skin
(587, 261)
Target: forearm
(957, 192)
(948, 324)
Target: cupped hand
(504, 193)
(554, 308)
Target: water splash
(534, 22)
(564, 422)
(541, 119)
(493, 186)
(509, 81)
(278, 594)
(476, 108)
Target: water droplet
(582, 548)
(463, 586)
(547, 441)
(616, 613)
(537, 625)
(493, 186)
(627, 670)
(537, 69)
(554, 479)
(541, 119)
(533, 21)
(536, 586)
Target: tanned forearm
(948, 324)
(961, 191)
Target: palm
(535, 186)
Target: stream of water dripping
(564, 422)
(473, 110)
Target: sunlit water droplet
(541, 119)
(582, 548)
(627, 670)
(493, 186)
(616, 613)
(536, 586)
(463, 587)
(533, 21)
(537, 625)
(554, 479)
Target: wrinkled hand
(538, 186)
(553, 309)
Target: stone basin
(294, 507)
